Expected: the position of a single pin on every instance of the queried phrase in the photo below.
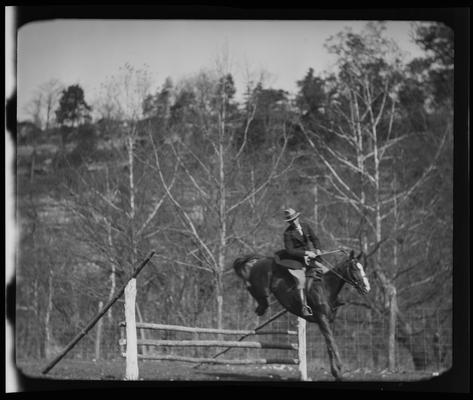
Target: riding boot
(308, 284)
(306, 310)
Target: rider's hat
(290, 214)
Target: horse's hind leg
(335, 362)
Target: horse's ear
(352, 254)
(358, 257)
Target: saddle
(295, 267)
(283, 259)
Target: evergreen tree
(73, 109)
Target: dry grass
(178, 371)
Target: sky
(86, 52)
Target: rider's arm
(314, 239)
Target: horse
(263, 276)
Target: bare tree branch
(328, 165)
(188, 220)
(350, 165)
(189, 175)
(185, 264)
(383, 148)
(245, 132)
(403, 196)
(265, 183)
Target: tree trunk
(219, 293)
(253, 204)
(48, 343)
(421, 357)
(110, 249)
(131, 182)
(39, 350)
(372, 323)
(392, 328)
(112, 273)
(33, 164)
(316, 204)
(98, 335)
(222, 217)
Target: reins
(353, 283)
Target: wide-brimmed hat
(290, 214)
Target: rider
(302, 244)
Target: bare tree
(52, 91)
(115, 200)
(213, 185)
(365, 142)
(44, 102)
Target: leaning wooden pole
(98, 316)
(259, 327)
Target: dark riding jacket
(296, 245)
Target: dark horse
(263, 276)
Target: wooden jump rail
(178, 328)
(258, 361)
(213, 343)
(228, 344)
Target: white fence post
(302, 348)
(131, 339)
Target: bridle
(351, 281)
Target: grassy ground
(177, 371)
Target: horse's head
(355, 273)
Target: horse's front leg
(335, 361)
(260, 298)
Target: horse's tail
(242, 265)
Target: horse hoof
(260, 311)
(337, 377)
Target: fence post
(302, 348)
(131, 339)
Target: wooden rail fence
(300, 346)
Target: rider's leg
(305, 307)
(300, 277)
(308, 283)
(306, 310)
